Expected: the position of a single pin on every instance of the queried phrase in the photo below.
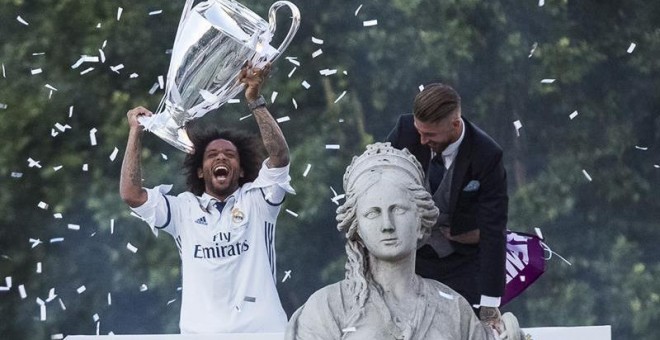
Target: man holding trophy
(224, 225)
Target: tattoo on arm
(272, 137)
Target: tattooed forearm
(272, 137)
(130, 182)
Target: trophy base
(178, 138)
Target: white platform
(570, 333)
(537, 333)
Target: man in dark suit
(465, 175)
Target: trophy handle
(272, 22)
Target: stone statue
(386, 215)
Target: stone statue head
(388, 175)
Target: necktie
(220, 206)
(436, 172)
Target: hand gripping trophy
(214, 40)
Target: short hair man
(224, 225)
(466, 176)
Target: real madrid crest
(237, 216)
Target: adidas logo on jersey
(201, 220)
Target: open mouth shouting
(221, 172)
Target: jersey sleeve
(157, 211)
(273, 183)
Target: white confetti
(420, 88)
(116, 68)
(309, 167)
(287, 275)
(112, 226)
(81, 289)
(102, 56)
(332, 146)
(245, 117)
(131, 247)
(348, 330)
(85, 167)
(38, 270)
(292, 71)
(336, 198)
(32, 163)
(119, 11)
(340, 97)
(36, 71)
(4, 75)
(161, 82)
(133, 75)
(518, 125)
(531, 52)
(295, 103)
(143, 288)
(291, 213)
(16, 174)
(70, 111)
(155, 86)
(327, 72)
(317, 41)
(643, 148)
(95, 317)
(105, 43)
(586, 174)
(547, 81)
(541, 3)
(3, 106)
(164, 156)
(109, 299)
(57, 215)
(57, 239)
(22, 21)
(21, 291)
(90, 69)
(61, 304)
(113, 155)
(35, 242)
(156, 12)
(57, 168)
(573, 115)
(657, 166)
(73, 226)
(358, 10)
(42, 313)
(50, 87)
(85, 59)
(293, 60)
(305, 84)
(631, 48)
(58, 336)
(8, 284)
(43, 205)
(273, 96)
(233, 101)
(92, 136)
(317, 53)
(283, 119)
(61, 127)
(370, 23)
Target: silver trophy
(213, 42)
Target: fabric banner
(525, 262)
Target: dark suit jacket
(479, 159)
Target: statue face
(388, 221)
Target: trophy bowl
(214, 41)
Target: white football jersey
(228, 257)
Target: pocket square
(473, 185)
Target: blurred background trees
(581, 77)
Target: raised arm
(271, 134)
(130, 182)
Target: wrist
(256, 103)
